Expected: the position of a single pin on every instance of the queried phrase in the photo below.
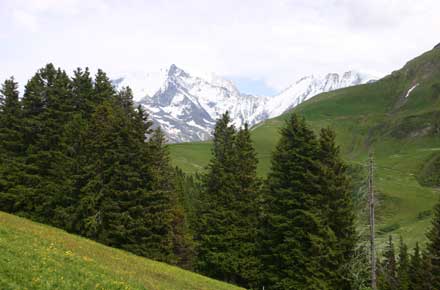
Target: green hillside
(403, 132)
(36, 256)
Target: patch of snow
(411, 89)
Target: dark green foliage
(10, 112)
(295, 236)
(102, 89)
(75, 153)
(387, 276)
(226, 229)
(403, 267)
(430, 172)
(46, 109)
(433, 249)
(416, 270)
(420, 271)
(83, 93)
(337, 206)
(11, 148)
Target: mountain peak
(437, 46)
(176, 71)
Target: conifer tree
(428, 278)
(160, 169)
(102, 88)
(110, 176)
(416, 270)
(163, 180)
(389, 268)
(46, 109)
(433, 248)
(294, 236)
(143, 125)
(10, 113)
(216, 225)
(125, 99)
(338, 208)
(11, 149)
(82, 93)
(228, 216)
(403, 266)
(246, 207)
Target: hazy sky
(262, 45)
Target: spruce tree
(11, 148)
(294, 236)
(216, 226)
(227, 229)
(163, 180)
(103, 89)
(46, 109)
(82, 93)
(10, 118)
(160, 169)
(403, 266)
(433, 248)
(246, 208)
(338, 208)
(389, 268)
(416, 270)
(110, 177)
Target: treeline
(75, 153)
(418, 270)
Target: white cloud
(276, 41)
(25, 20)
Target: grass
(36, 256)
(372, 117)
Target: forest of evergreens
(77, 154)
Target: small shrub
(424, 214)
(388, 228)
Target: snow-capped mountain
(186, 106)
(310, 86)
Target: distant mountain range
(186, 106)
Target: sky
(263, 46)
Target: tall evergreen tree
(338, 207)
(10, 113)
(46, 109)
(415, 271)
(160, 169)
(294, 238)
(103, 89)
(163, 180)
(11, 148)
(246, 209)
(403, 266)
(216, 218)
(433, 248)
(83, 91)
(389, 268)
(228, 218)
(110, 176)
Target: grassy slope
(373, 116)
(35, 256)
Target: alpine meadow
(210, 145)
